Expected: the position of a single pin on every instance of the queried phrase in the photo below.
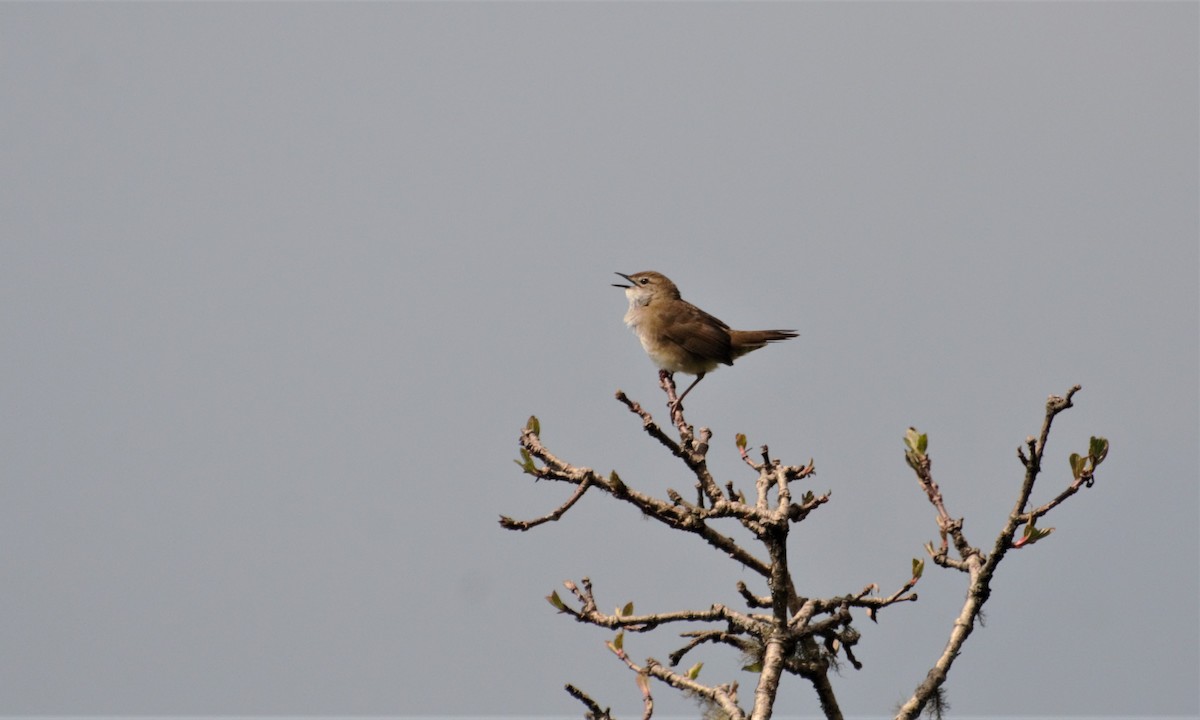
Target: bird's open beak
(627, 278)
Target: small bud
(526, 462)
(1078, 465)
(1032, 534)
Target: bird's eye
(644, 281)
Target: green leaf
(616, 481)
(1032, 533)
(1098, 450)
(694, 671)
(526, 462)
(753, 667)
(916, 442)
(619, 641)
(741, 441)
(533, 425)
(1077, 465)
(556, 601)
(628, 609)
(918, 568)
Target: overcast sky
(282, 282)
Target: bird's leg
(679, 400)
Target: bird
(680, 337)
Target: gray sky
(281, 283)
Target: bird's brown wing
(700, 333)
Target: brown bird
(680, 337)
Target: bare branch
(595, 712)
(724, 696)
(1066, 493)
(982, 569)
(753, 600)
(511, 524)
(652, 429)
(647, 698)
(922, 464)
(1054, 406)
(712, 636)
(755, 625)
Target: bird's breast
(653, 331)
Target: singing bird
(680, 337)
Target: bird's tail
(743, 341)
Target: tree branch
(796, 635)
(594, 710)
(982, 569)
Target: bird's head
(646, 286)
